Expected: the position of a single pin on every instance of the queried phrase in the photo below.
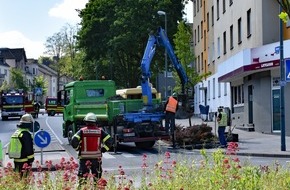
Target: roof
(3, 63)
(17, 54)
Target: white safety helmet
(26, 118)
(90, 117)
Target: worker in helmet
(21, 146)
(91, 141)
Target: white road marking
(46, 121)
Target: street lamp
(165, 53)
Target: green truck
(114, 113)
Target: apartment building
(238, 42)
(16, 58)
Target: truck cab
(81, 97)
(52, 107)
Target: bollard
(1, 154)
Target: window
(5, 72)
(204, 10)
(238, 94)
(201, 29)
(207, 21)
(213, 88)
(224, 6)
(225, 89)
(197, 5)
(95, 92)
(201, 60)
(225, 42)
(240, 30)
(208, 89)
(195, 37)
(212, 52)
(198, 64)
(198, 33)
(217, 9)
(200, 3)
(194, 7)
(219, 89)
(169, 74)
(212, 15)
(249, 23)
(33, 71)
(204, 41)
(231, 37)
(218, 47)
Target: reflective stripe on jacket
(91, 143)
(21, 146)
(224, 120)
(171, 105)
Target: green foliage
(114, 35)
(285, 4)
(4, 86)
(17, 79)
(184, 53)
(212, 171)
(40, 82)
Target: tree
(182, 41)
(40, 82)
(4, 86)
(183, 51)
(114, 34)
(285, 4)
(18, 81)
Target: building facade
(16, 58)
(238, 42)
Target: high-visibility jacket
(91, 142)
(224, 120)
(21, 146)
(171, 105)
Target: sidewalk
(250, 143)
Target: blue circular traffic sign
(42, 139)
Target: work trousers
(169, 122)
(87, 166)
(221, 133)
(18, 167)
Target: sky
(28, 23)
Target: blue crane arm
(164, 41)
(146, 74)
(160, 39)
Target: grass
(216, 171)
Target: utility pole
(282, 85)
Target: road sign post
(42, 139)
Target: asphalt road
(128, 157)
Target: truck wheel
(4, 118)
(70, 134)
(147, 144)
(52, 113)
